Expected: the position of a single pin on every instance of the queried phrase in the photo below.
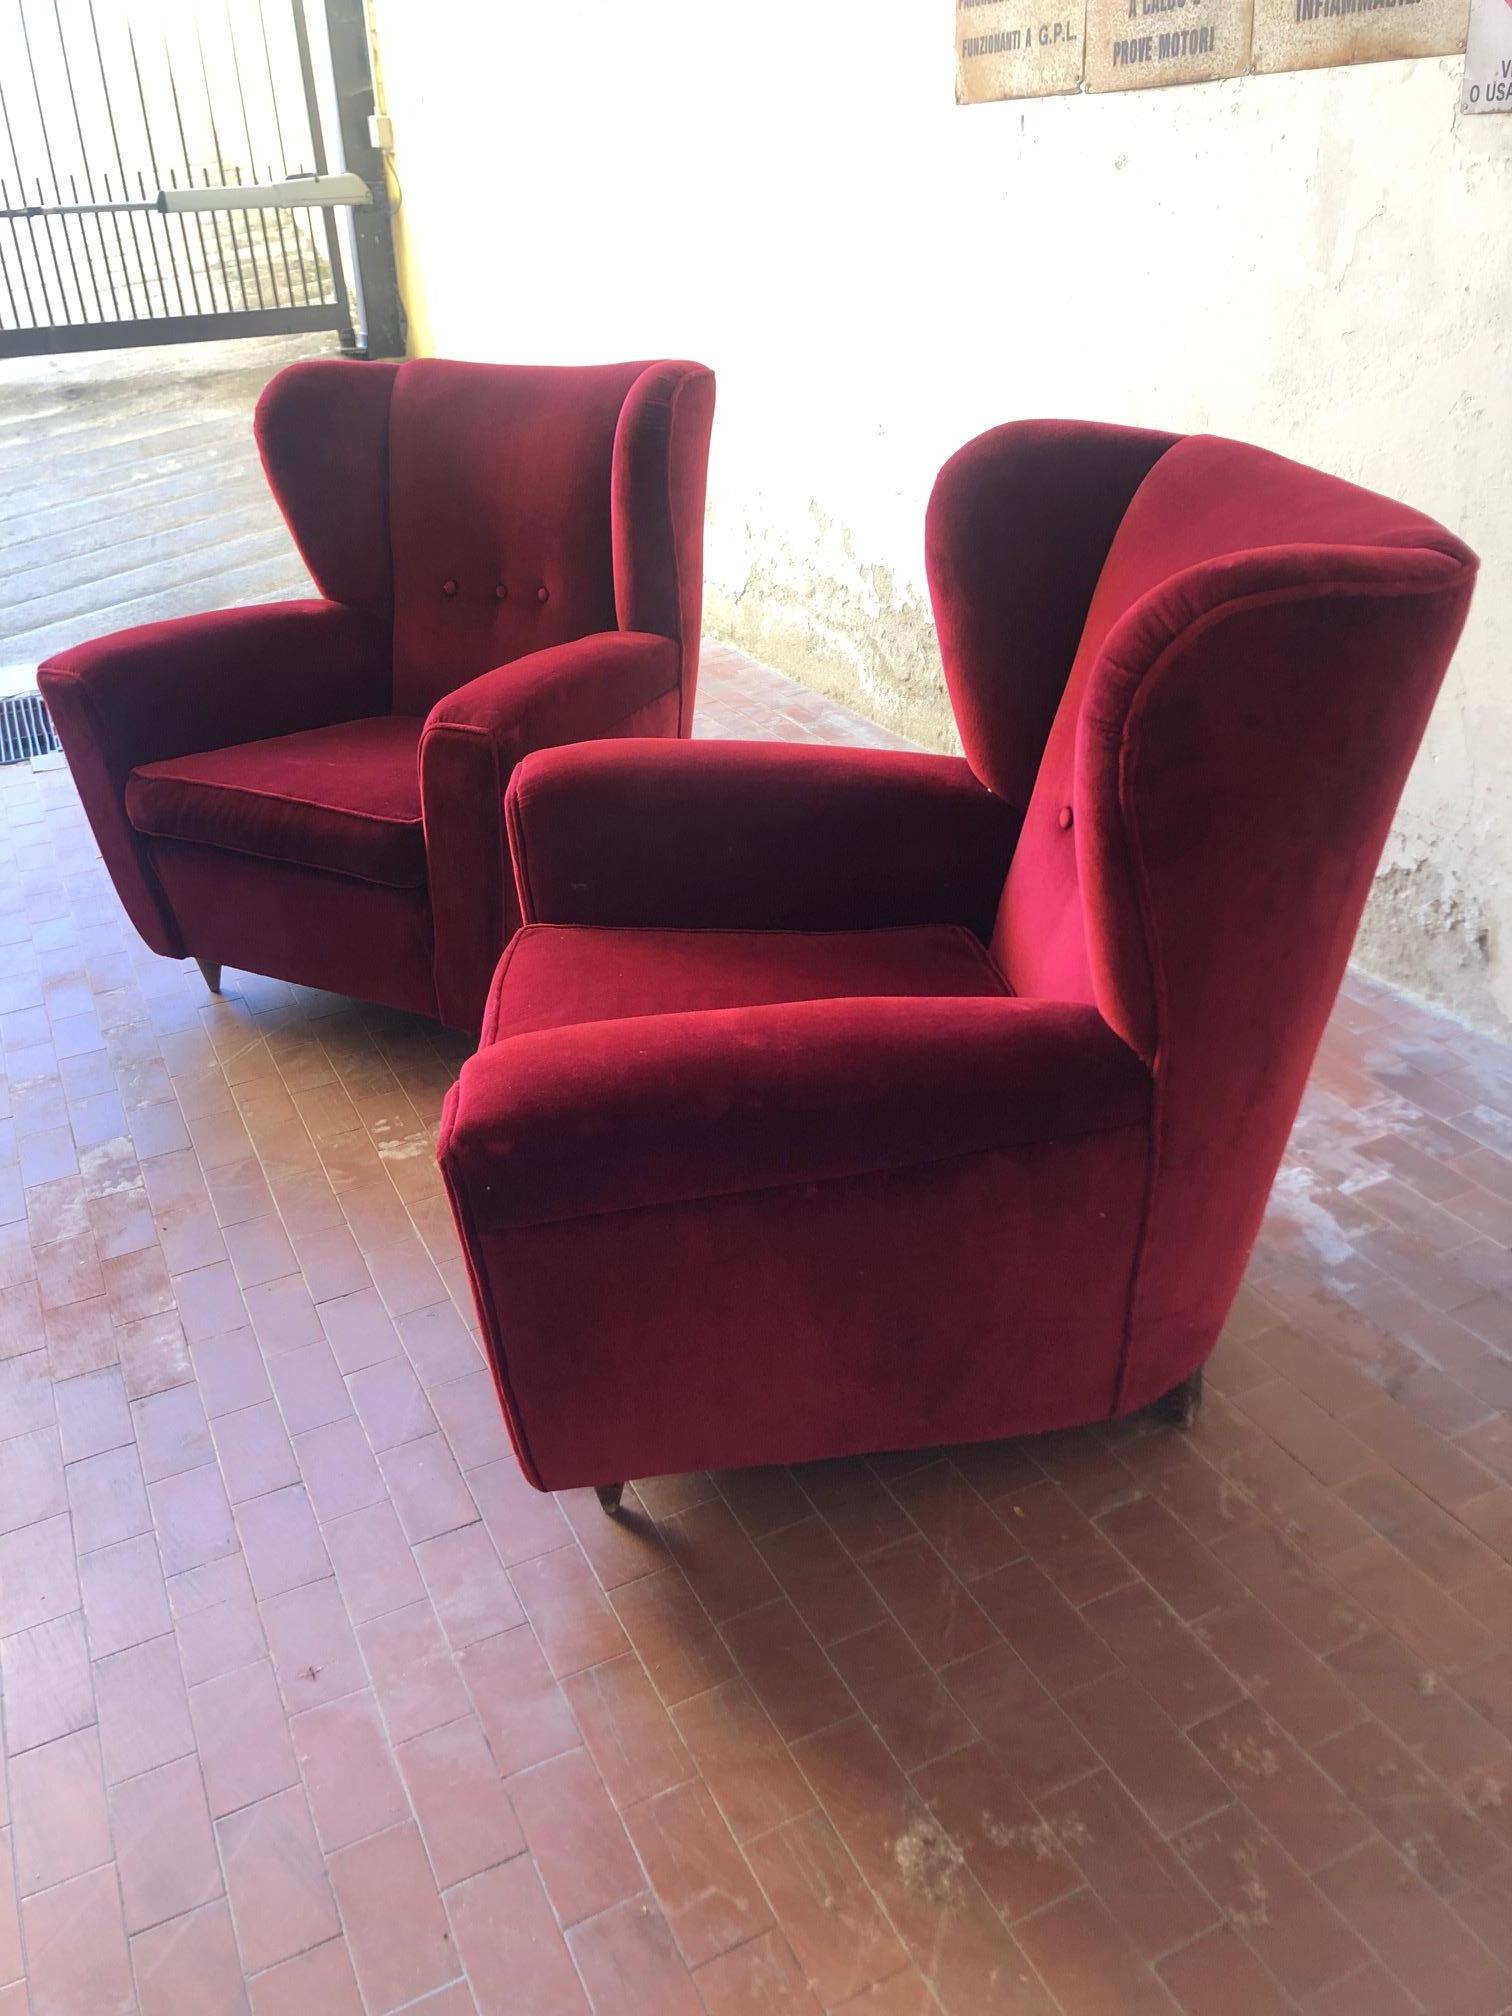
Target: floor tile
(143, 1708)
(467, 1583)
(321, 1979)
(414, 1673)
(314, 1649)
(825, 1908)
(373, 1562)
(77, 1958)
(93, 1414)
(703, 1884)
(60, 1822)
(628, 1961)
(585, 1859)
(243, 1737)
(39, 1577)
(165, 1846)
(350, 1773)
(466, 1819)
(510, 1943)
(192, 1516)
(190, 1963)
(338, 1469)
(47, 1682)
(216, 1619)
(276, 1879)
(254, 1452)
(761, 1974)
(396, 1926)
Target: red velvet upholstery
(834, 1101)
(555, 976)
(509, 557)
(346, 799)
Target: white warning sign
(1488, 58)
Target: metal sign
(1488, 58)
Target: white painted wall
(1320, 262)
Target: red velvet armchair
(833, 1101)
(507, 558)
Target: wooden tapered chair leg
(609, 1496)
(212, 974)
(1181, 1406)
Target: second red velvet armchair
(507, 558)
(835, 1100)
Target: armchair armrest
(588, 687)
(657, 1110)
(757, 836)
(201, 682)
(205, 682)
(617, 683)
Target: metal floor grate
(26, 728)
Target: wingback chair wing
(834, 1100)
(507, 557)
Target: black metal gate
(166, 175)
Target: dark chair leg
(211, 972)
(609, 1496)
(1181, 1406)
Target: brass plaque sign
(1309, 34)
(1018, 48)
(1135, 44)
(1036, 48)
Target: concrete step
(219, 486)
(256, 581)
(137, 494)
(166, 563)
(131, 492)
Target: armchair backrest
(1218, 726)
(488, 511)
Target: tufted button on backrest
(448, 587)
(1206, 510)
(488, 462)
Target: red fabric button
(543, 594)
(448, 587)
(501, 593)
(1065, 818)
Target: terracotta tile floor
(311, 1707)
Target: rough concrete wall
(819, 610)
(1315, 262)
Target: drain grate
(26, 728)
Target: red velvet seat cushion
(344, 798)
(554, 975)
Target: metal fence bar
(317, 148)
(10, 292)
(173, 264)
(141, 331)
(220, 169)
(41, 199)
(241, 99)
(178, 116)
(73, 101)
(283, 156)
(115, 141)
